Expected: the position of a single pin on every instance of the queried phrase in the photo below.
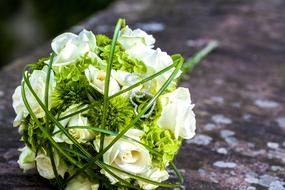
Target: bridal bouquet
(103, 113)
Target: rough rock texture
(239, 90)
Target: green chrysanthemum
(68, 93)
(119, 114)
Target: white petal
(177, 114)
(27, 159)
(60, 41)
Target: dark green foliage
(32, 134)
(68, 93)
(121, 61)
(102, 40)
(163, 142)
(72, 86)
(119, 114)
(39, 64)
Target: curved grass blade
(144, 110)
(171, 164)
(52, 118)
(148, 78)
(51, 155)
(74, 113)
(108, 132)
(104, 167)
(48, 79)
(45, 132)
(155, 97)
(169, 185)
(177, 172)
(105, 131)
(118, 27)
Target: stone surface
(240, 88)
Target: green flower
(68, 92)
(121, 60)
(74, 71)
(164, 142)
(119, 114)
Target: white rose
(135, 38)
(155, 61)
(38, 83)
(126, 79)
(121, 77)
(70, 47)
(27, 159)
(97, 78)
(81, 135)
(154, 174)
(44, 166)
(177, 114)
(139, 44)
(126, 155)
(81, 183)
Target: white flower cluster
(176, 115)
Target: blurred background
(25, 24)
(238, 90)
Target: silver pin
(141, 94)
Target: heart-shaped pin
(141, 94)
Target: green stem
(197, 57)
(52, 118)
(108, 132)
(48, 79)
(108, 76)
(74, 113)
(169, 185)
(154, 98)
(177, 172)
(144, 80)
(105, 167)
(45, 132)
(51, 155)
(144, 110)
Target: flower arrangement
(103, 113)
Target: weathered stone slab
(239, 90)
